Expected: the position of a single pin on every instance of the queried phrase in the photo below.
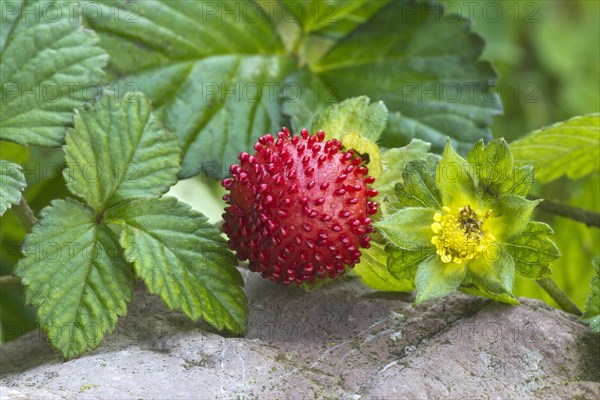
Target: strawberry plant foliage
(49, 64)
(221, 82)
(188, 77)
(182, 258)
(330, 20)
(78, 268)
(569, 148)
(405, 58)
(219, 76)
(74, 271)
(119, 151)
(13, 183)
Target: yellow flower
(460, 235)
(467, 227)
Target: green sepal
(403, 263)
(373, 271)
(455, 179)
(358, 124)
(408, 227)
(418, 187)
(435, 279)
(353, 115)
(393, 162)
(365, 149)
(492, 163)
(510, 215)
(533, 251)
(520, 181)
(471, 288)
(494, 166)
(494, 270)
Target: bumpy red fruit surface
(298, 208)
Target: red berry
(298, 208)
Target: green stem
(590, 218)
(9, 281)
(559, 296)
(25, 215)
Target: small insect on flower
(460, 236)
(299, 208)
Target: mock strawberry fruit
(299, 207)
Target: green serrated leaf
(408, 228)
(219, 83)
(533, 251)
(418, 187)
(74, 272)
(49, 66)
(311, 97)
(216, 82)
(455, 179)
(12, 183)
(439, 86)
(119, 151)
(182, 258)
(592, 305)
(355, 115)
(403, 264)
(331, 18)
(570, 148)
(435, 279)
(373, 271)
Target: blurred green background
(547, 54)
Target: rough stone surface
(342, 341)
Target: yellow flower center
(459, 236)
